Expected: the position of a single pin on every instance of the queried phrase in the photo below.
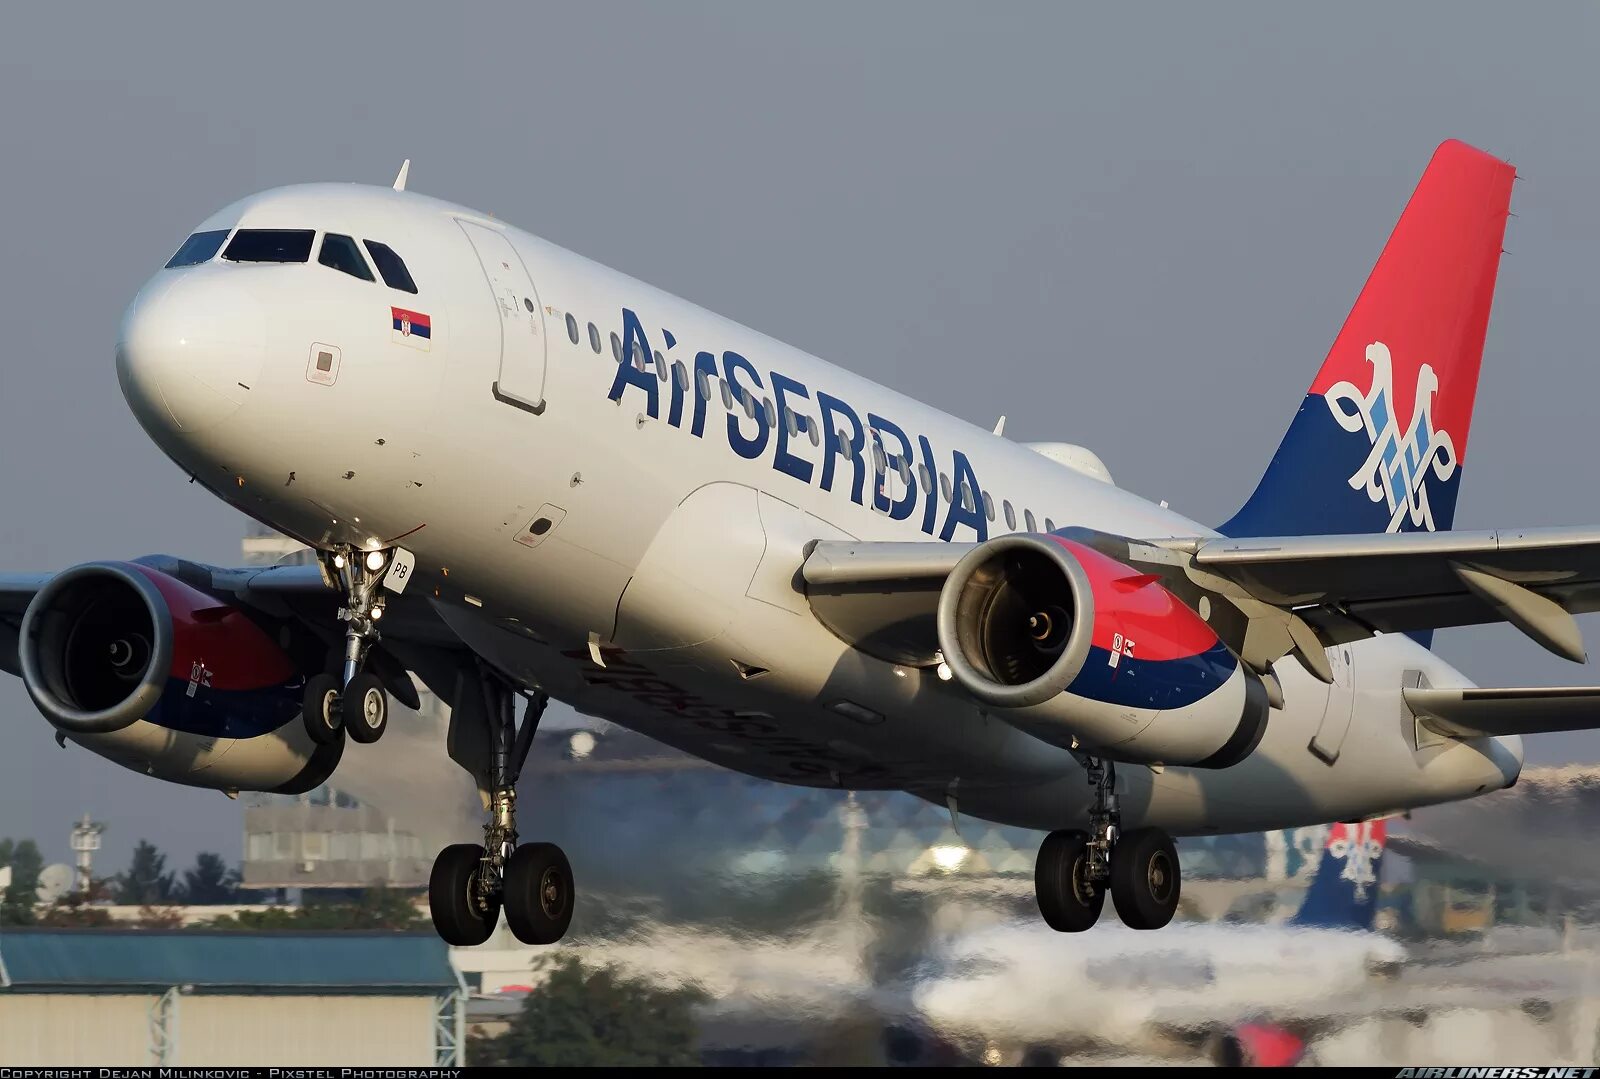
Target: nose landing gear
(353, 700)
(1075, 869)
(533, 882)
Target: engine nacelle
(166, 680)
(1078, 648)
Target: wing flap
(1472, 713)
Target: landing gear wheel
(539, 893)
(461, 915)
(320, 708)
(1069, 900)
(366, 707)
(1145, 879)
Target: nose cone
(192, 344)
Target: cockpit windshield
(270, 245)
(201, 247)
(342, 254)
(391, 266)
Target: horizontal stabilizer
(1472, 713)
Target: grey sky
(1135, 226)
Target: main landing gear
(1074, 869)
(470, 884)
(353, 700)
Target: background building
(193, 998)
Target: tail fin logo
(1358, 846)
(1396, 471)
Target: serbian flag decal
(411, 328)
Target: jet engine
(169, 681)
(1082, 650)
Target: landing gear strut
(1074, 869)
(533, 882)
(353, 700)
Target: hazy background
(1135, 227)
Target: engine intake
(1080, 649)
(95, 648)
(1015, 620)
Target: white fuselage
(555, 507)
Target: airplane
(1008, 981)
(527, 477)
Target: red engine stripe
(1136, 608)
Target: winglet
(1000, 427)
(405, 170)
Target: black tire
(321, 710)
(1068, 899)
(458, 916)
(540, 893)
(1146, 880)
(366, 707)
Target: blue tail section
(1344, 893)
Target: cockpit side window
(390, 266)
(341, 253)
(270, 245)
(201, 247)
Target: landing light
(944, 671)
(949, 858)
(374, 560)
(377, 613)
(338, 561)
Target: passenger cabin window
(1049, 525)
(616, 347)
(1027, 518)
(572, 328)
(270, 245)
(201, 247)
(594, 338)
(390, 267)
(1011, 514)
(341, 253)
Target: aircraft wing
(296, 592)
(1278, 596)
(1352, 586)
(16, 590)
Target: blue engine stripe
(226, 713)
(1156, 684)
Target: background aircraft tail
(1344, 893)
(1381, 437)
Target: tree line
(148, 884)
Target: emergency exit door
(522, 352)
